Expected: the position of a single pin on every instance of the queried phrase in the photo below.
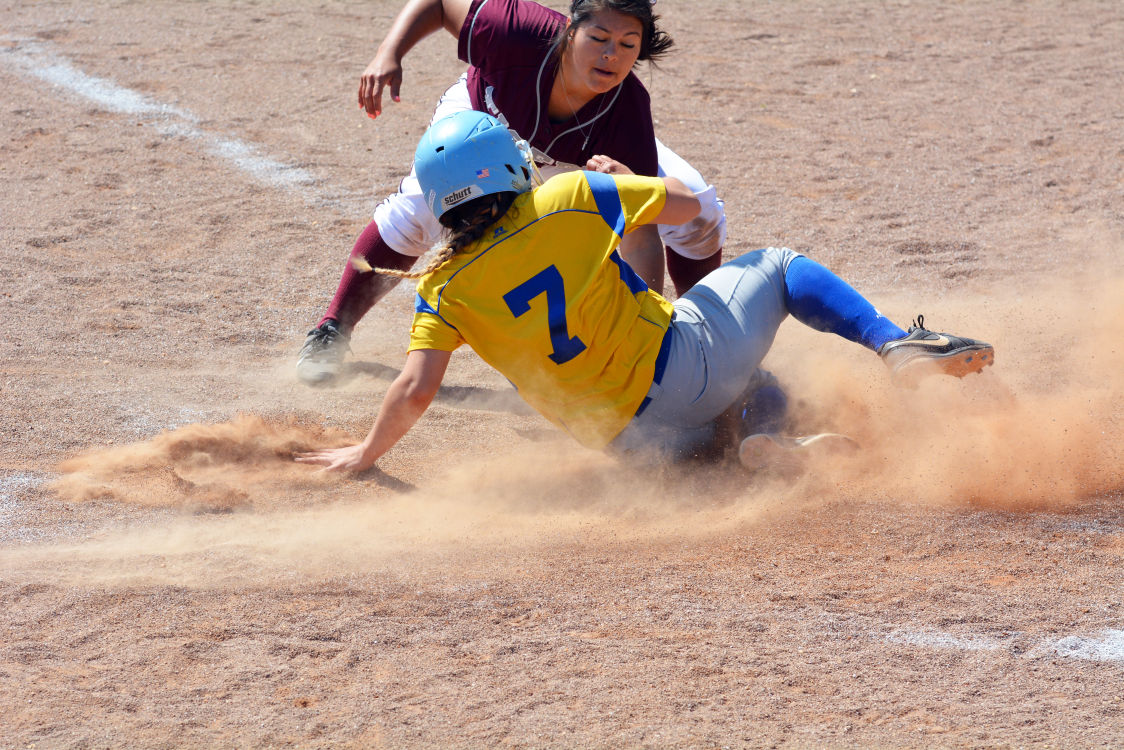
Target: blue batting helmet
(467, 155)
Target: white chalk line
(35, 59)
(939, 640)
(12, 486)
(1105, 645)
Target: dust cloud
(1040, 430)
(204, 467)
(471, 517)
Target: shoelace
(324, 336)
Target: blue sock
(820, 299)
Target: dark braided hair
(654, 42)
(466, 223)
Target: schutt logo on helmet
(454, 198)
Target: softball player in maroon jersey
(565, 85)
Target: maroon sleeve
(498, 32)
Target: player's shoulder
(518, 22)
(565, 180)
(565, 190)
(585, 189)
(428, 289)
(532, 13)
(430, 286)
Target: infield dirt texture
(182, 182)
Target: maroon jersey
(507, 46)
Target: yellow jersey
(546, 299)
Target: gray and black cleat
(923, 352)
(321, 357)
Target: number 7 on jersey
(549, 282)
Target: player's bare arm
(406, 400)
(642, 249)
(417, 20)
(681, 205)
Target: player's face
(603, 50)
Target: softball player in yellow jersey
(546, 299)
(532, 280)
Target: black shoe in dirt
(923, 352)
(788, 456)
(321, 357)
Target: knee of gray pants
(723, 328)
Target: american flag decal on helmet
(481, 173)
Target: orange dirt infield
(182, 183)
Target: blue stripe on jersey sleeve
(608, 200)
(421, 306)
(630, 278)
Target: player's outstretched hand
(385, 70)
(606, 165)
(350, 458)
